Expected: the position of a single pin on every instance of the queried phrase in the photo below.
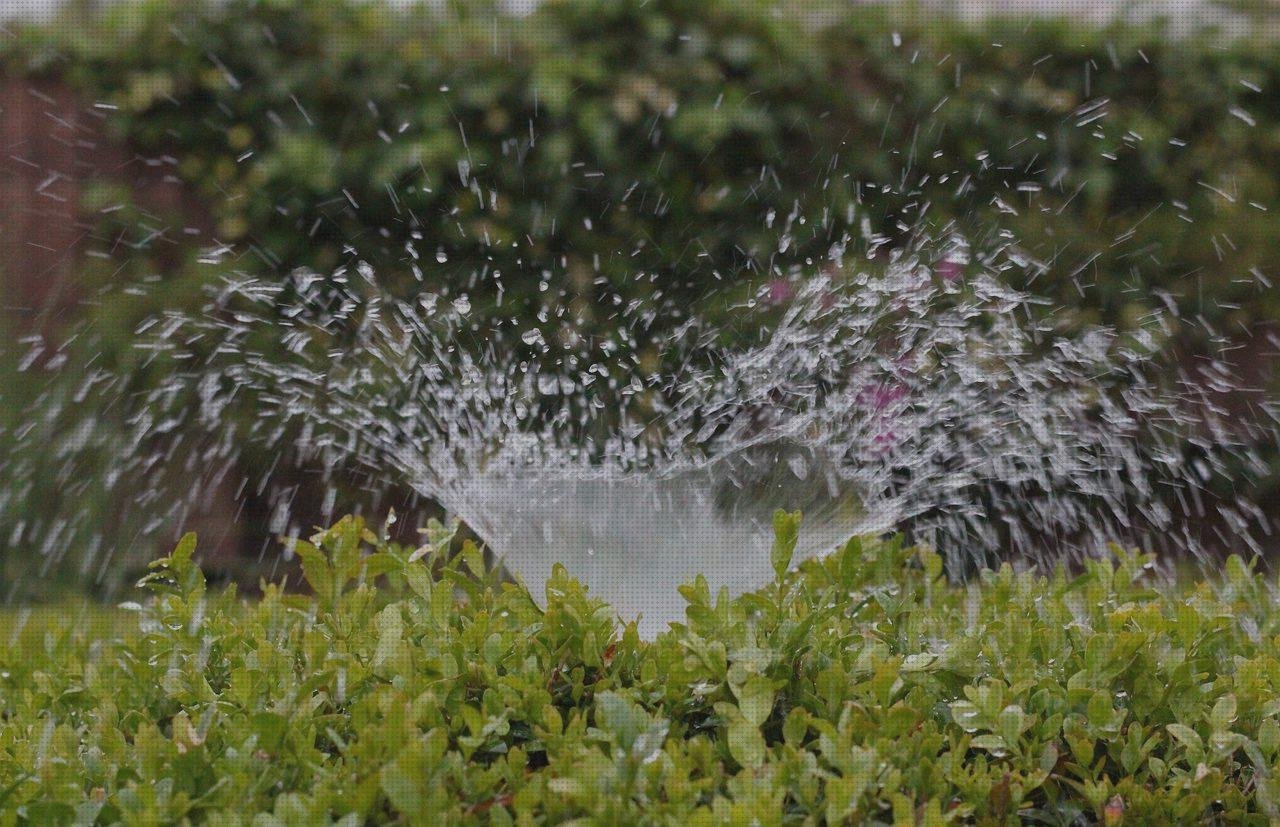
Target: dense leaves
(639, 147)
(415, 686)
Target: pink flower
(949, 270)
(876, 397)
(879, 396)
(780, 290)
(884, 441)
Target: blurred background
(654, 147)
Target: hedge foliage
(415, 687)
(634, 148)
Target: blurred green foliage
(558, 166)
(623, 148)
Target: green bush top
(861, 687)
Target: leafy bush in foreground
(861, 687)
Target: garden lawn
(415, 686)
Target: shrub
(860, 687)
(635, 147)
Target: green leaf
(1186, 736)
(755, 699)
(1011, 723)
(967, 716)
(786, 532)
(1223, 715)
(343, 542)
(1225, 743)
(919, 662)
(990, 743)
(380, 563)
(1269, 736)
(183, 551)
(419, 580)
(796, 726)
(1100, 713)
(474, 558)
(315, 568)
(271, 728)
(390, 637)
(403, 781)
(622, 717)
(746, 744)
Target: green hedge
(858, 689)
(633, 147)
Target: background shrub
(598, 153)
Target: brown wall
(51, 147)
(45, 151)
